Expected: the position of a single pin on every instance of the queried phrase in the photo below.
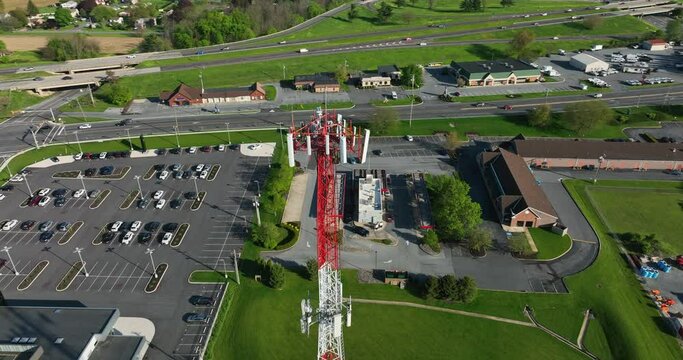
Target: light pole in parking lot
(83, 184)
(227, 126)
(237, 270)
(177, 139)
(412, 100)
(80, 257)
(258, 188)
(597, 168)
(196, 189)
(7, 249)
(258, 213)
(137, 178)
(282, 141)
(80, 149)
(154, 269)
(30, 193)
(4, 159)
(130, 142)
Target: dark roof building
(320, 82)
(187, 95)
(64, 333)
(391, 71)
(517, 197)
(498, 72)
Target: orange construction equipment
(665, 309)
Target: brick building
(188, 95)
(492, 73)
(318, 83)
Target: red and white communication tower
(330, 138)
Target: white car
(17, 178)
(2, 196)
(158, 194)
(136, 225)
(116, 226)
(192, 150)
(544, 14)
(409, 137)
(78, 193)
(204, 174)
(555, 38)
(282, 42)
(597, 95)
(9, 225)
(199, 167)
(84, 126)
(103, 155)
(78, 156)
(254, 146)
(221, 147)
(160, 204)
(44, 191)
(130, 56)
(167, 238)
(127, 238)
(163, 175)
(44, 201)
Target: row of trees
(579, 117)
(272, 273)
(77, 46)
(450, 288)
(674, 30)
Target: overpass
(60, 82)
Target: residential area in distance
(307, 179)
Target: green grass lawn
(79, 119)
(398, 102)
(271, 92)
(641, 207)
(23, 75)
(535, 95)
(208, 276)
(86, 105)
(14, 101)
(19, 58)
(549, 244)
(315, 105)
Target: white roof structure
(586, 59)
(369, 200)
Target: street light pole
(84, 189)
(196, 189)
(258, 213)
(177, 139)
(282, 141)
(412, 100)
(28, 186)
(258, 188)
(130, 141)
(80, 257)
(137, 178)
(80, 149)
(35, 141)
(4, 159)
(237, 270)
(600, 160)
(154, 269)
(7, 249)
(227, 126)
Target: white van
(394, 95)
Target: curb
(37, 275)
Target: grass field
(108, 44)
(641, 207)
(21, 4)
(14, 101)
(86, 105)
(313, 106)
(549, 244)
(537, 95)
(22, 57)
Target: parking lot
(121, 271)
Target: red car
(507, 107)
(36, 199)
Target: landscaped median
(207, 277)
(33, 275)
(180, 235)
(313, 106)
(70, 276)
(128, 201)
(550, 246)
(71, 174)
(198, 201)
(100, 199)
(73, 229)
(406, 101)
(150, 173)
(154, 281)
(213, 173)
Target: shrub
(431, 288)
(448, 287)
(479, 240)
(431, 239)
(312, 269)
(267, 235)
(276, 275)
(466, 290)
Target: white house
(69, 4)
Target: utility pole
(7, 249)
(201, 79)
(92, 99)
(196, 189)
(412, 100)
(80, 107)
(154, 269)
(284, 72)
(258, 188)
(35, 141)
(258, 213)
(4, 159)
(52, 113)
(80, 149)
(227, 127)
(282, 141)
(137, 178)
(80, 257)
(237, 270)
(84, 189)
(600, 160)
(130, 141)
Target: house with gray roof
(497, 72)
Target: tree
(507, 3)
(400, 3)
(448, 287)
(342, 73)
(86, 6)
(20, 15)
(353, 12)
(153, 42)
(63, 17)
(410, 72)
(275, 275)
(472, 5)
(431, 239)
(384, 12)
(2, 7)
(103, 13)
(182, 10)
(314, 9)
(383, 122)
(540, 116)
(312, 269)
(431, 287)
(674, 30)
(520, 45)
(454, 212)
(414, 2)
(592, 22)
(582, 116)
(266, 235)
(431, 3)
(479, 241)
(452, 140)
(466, 290)
(518, 245)
(31, 8)
(76, 47)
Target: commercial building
(588, 63)
(187, 95)
(519, 200)
(65, 333)
(374, 80)
(369, 200)
(391, 71)
(655, 45)
(492, 73)
(578, 154)
(318, 83)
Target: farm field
(108, 44)
(16, 4)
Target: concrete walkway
(451, 311)
(295, 198)
(584, 326)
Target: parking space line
(144, 271)
(130, 276)
(125, 266)
(96, 277)
(13, 277)
(92, 268)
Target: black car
(59, 202)
(205, 149)
(159, 167)
(360, 231)
(7, 188)
(175, 151)
(46, 236)
(27, 225)
(59, 193)
(106, 170)
(90, 172)
(142, 203)
(125, 154)
(194, 318)
(144, 237)
(378, 152)
(190, 195)
(63, 226)
(202, 300)
(187, 174)
(54, 159)
(152, 226)
(170, 227)
(161, 152)
(108, 237)
(124, 122)
(25, 172)
(176, 203)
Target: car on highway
(84, 126)
(44, 201)
(78, 193)
(507, 107)
(9, 225)
(166, 239)
(127, 238)
(163, 175)
(47, 236)
(38, 78)
(282, 42)
(135, 226)
(116, 226)
(123, 122)
(160, 203)
(158, 194)
(67, 78)
(44, 191)
(131, 56)
(481, 104)
(46, 225)
(30, 68)
(63, 226)
(597, 95)
(27, 225)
